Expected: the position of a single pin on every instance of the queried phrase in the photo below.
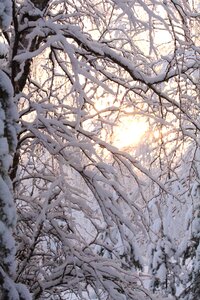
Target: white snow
(23, 291)
(5, 83)
(7, 250)
(7, 204)
(5, 13)
(3, 146)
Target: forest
(99, 149)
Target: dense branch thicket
(95, 219)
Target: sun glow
(129, 132)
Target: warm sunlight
(129, 132)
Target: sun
(129, 132)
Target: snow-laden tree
(8, 142)
(88, 212)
